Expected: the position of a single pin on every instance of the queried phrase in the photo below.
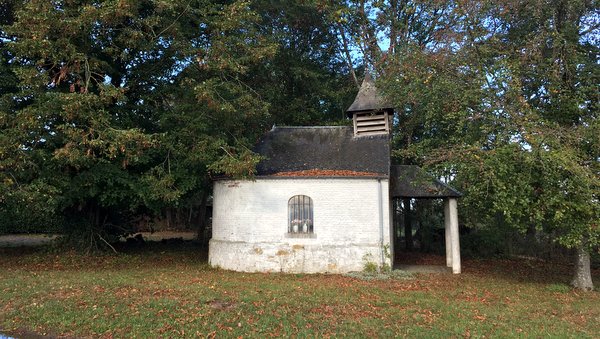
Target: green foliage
(242, 165)
(504, 103)
(121, 108)
(485, 242)
(370, 267)
(306, 82)
(28, 208)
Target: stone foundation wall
(291, 258)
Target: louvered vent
(371, 123)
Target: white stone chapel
(321, 200)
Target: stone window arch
(300, 214)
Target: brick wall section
(250, 224)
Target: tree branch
(347, 55)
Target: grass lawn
(171, 292)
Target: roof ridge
(307, 127)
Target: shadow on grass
(528, 271)
(511, 270)
(184, 252)
(129, 256)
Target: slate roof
(291, 149)
(409, 181)
(368, 98)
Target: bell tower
(370, 114)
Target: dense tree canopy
(114, 110)
(503, 98)
(124, 107)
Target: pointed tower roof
(368, 98)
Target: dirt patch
(424, 268)
(158, 236)
(418, 258)
(25, 334)
(34, 240)
(222, 305)
(26, 240)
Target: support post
(454, 235)
(448, 242)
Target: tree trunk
(408, 240)
(94, 214)
(169, 217)
(202, 218)
(398, 222)
(583, 275)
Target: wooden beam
(371, 133)
(370, 123)
(372, 128)
(387, 126)
(369, 117)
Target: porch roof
(410, 181)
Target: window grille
(300, 214)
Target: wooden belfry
(369, 111)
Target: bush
(30, 208)
(487, 242)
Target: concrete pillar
(448, 243)
(451, 222)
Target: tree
(96, 84)
(125, 108)
(552, 52)
(506, 103)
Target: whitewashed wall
(250, 225)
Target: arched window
(300, 214)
